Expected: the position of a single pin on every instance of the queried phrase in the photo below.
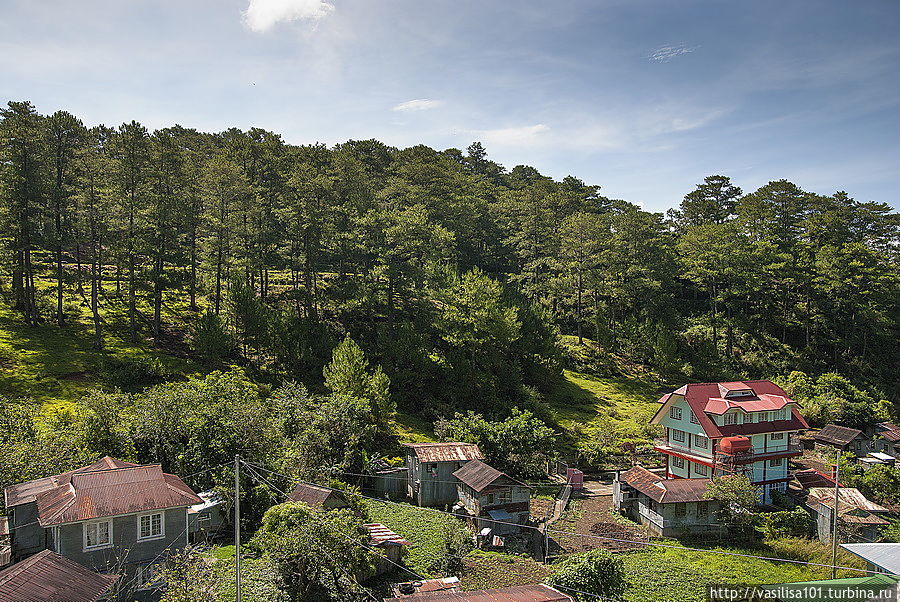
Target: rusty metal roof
(313, 495)
(813, 478)
(837, 435)
(379, 535)
(849, 498)
(478, 475)
(665, 491)
(889, 431)
(445, 452)
(428, 585)
(48, 577)
(519, 593)
(106, 488)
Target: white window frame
(701, 441)
(776, 436)
(677, 462)
(729, 418)
(675, 413)
(701, 469)
(676, 433)
(96, 524)
(162, 525)
(694, 418)
(776, 462)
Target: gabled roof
(884, 555)
(698, 396)
(48, 577)
(314, 496)
(665, 491)
(889, 431)
(109, 487)
(445, 452)
(479, 476)
(849, 498)
(519, 593)
(837, 435)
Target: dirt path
(592, 512)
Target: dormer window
(739, 393)
(779, 414)
(694, 419)
(730, 418)
(675, 413)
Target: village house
(715, 429)
(111, 517)
(492, 498)
(48, 577)
(668, 507)
(519, 593)
(207, 519)
(842, 439)
(879, 557)
(887, 438)
(858, 518)
(390, 543)
(318, 498)
(430, 468)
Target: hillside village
(734, 457)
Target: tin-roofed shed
(430, 468)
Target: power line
(602, 537)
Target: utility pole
(237, 528)
(834, 533)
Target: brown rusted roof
(837, 435)
(313, 495)
(445, 452)
(106, 488)
(379, 535)
(23, 493)
(813, 478)
(665, 491)
(849, 498)
(478, 475)
(428, 585)
(519, 593)
(48, 577)
(890, 431)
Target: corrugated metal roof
(849, 497)
(837, 435)
(761, 403)
(48, 577)
(379, 535)
(519, 593)
(108, 487)
(428, 585)
(889, 431)
(884, 555)
(665, 491)
(478, 475)
(813, 478)
(445, 452)
(313, 495)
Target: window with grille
(675, 413)
(701, 442)
(150, 526)
(776, 436)
(730, 418)
(677, 462)
(694, 418)
(700, 469)
(678, 436)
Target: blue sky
(643, 98)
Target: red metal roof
(813, 478)
(445, 452)
(519, 593)
(665, 491)
(106, 488)
(758, 403)
(313, 495)
(48, 577)
(698, 395)
(379, 535)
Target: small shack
(859, 518)
(430, 468)
(318, 498)
(492, 498)
(207, 519)
(384, 539)
(841, 439)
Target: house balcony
(674, 448)
(718, 458)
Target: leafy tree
(737, 498)
(585, 577)
(317, 555)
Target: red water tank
(734, 445)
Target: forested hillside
(453, 273)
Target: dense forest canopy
(453, 273)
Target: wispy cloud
(512, 136)
(664, 54)
(262, 15)
(418, 104)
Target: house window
(490, 498)
(700, 469)
(677, 462)
(97, 534)
(775, 462)
(504, 497)
(204, 520)
(776, 436)
(694, 419)
(675, 413)
(730, 418)
(680, 509)
(678, 435)
(701, 441)
(702, 508)
(150, 526)
(761, 417)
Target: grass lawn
(486, 570)
(424, 529)
(413, 429)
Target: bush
(597, 573)
(789, 523)
(133, 374)
(210, 338)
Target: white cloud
(419, 104)
(664, 54)
(262, 15)
(512, 136)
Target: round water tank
(734, 445)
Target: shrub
(210, 337)
(596, 573)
